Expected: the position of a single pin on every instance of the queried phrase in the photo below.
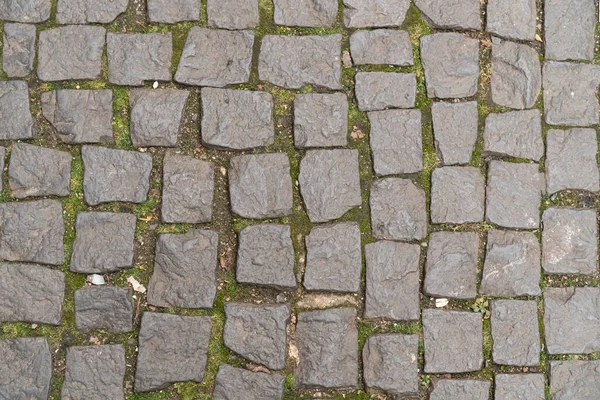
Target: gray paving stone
(185, 268)
(26, 368)
(574, 380)
(460, 390)
(381, 46)
(311, 13)
(453, 342)
(237, 119)
(520, 387)
(80, 116)
(457, 195)
(16, 121)
(451, 14)
(94, 372)
(398, 210)
(329, 183)
(451, 266)
(188, 190)
(103, 307)
(320, 120)
(260, 185)
(514, 134)
(381, 90)
(257, 332)
(172, 11)
(451, 64)
(31, 293)
(2, 162)
(294, 61)
(172, 348)
(455, 128)
(137, 57)
(327, 343)
(266, 256)
(89, 12)
(18, 51)
(374, 13)
(571, 320)
(115, 175)
(569, 30)
(233, 14)
(70, 52)
(103, 242)
(392, 289)
(238, 383)
(513, 19)
(31, 11)
(515, 332)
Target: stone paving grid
(365, 198)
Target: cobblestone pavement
(299, 199)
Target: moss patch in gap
(121, 118)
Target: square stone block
(374, 13)
(520, 387)
(457, 195)
(103, 307)
(445, 14)
(381, 46)
(381, 90)
(512, 19)
(232, 14)
(310, 13)
(18, 50)
(26, 367)
(515, 332)
(574, 380)
(16, 121)
(455, 127)
(514, 134)
(239, 383)
(320, 120)
(569, 32)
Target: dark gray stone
(451, 64)
(320, 120)
(103, 242)
(89, 12)
(381, 46)
(38, 171)
(260, 185)
(457, 195)
(515, 332)
(512, 19)
(266, 256)
(238, 383)
(514, 134)
(188, 190)
(451, 14)
(173, 348)
(172, 11)
(376, 13)
(294, 61)
(16, 121)
(257, 332)
(185, 267)
(18, 50)
(115, 175)
(94, 373)
(103, 307)
(333, 258)
(455, 131)
(311, 13)
(2, 161)
(398, 210)
(237, 119)
(71, 52)
(460, 390)
(26, 368)
(574, 380)
(233, 14)
(381, 90)
(80, 116)
(569, 30)
(453, 342)
(31, 293)
(520, 387)
(572, 320)
(31, 11)
(327, 343)
(329, 183)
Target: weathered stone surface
(451, 64)
(31, 11)
(115, 175)
(188, 190)
(266, 256)
(185, 268)
(460, 390)
(89, 12)
(103, 242)
(514, 195)
(569, 241)
(137, 57)
(392, 290)
(233, 14)
(294, 61)
(398, 210)
(103, 307)
(16, 121)
(457, 195)
(520, 387)
(260, 185)
(515, 332)
(2, 161)
(156, 116)
(237, 119)
(327, 343)
(329, 183)
(453, 342)
(451, 14)
(216, 58)
(172, 11)
(320, 120)
(381, 46)
(451, 267)
(574, 380)
(572, 320)
(32, 231)
(571, 160)
(514, 134)
(512, 265)
(38, 171)
(26, 368)
(512, 19)
(333, 258)
(257, 332)
(455, 131)
(238, 383)
(31, 293)
(80, 116)
(376, 13)
(94, 373)
(71, 52)
(311, 13)
(381, 90)
(569, 29)
(516, 73)
(173, 348)
(18, 50)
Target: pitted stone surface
(260, 185)
(16, 121)
(172, 11)
(392, 290)
(457, 195)
(574, 380)
(103, 242)
(514, 134)
(238, 383)
(569, 29)
(233, 14)
(185, 268)
(26, 368)
(18, 51)
(374, 13)
(381, 90)
(381, 46)
(31, 293)
(398, 210)
(455, 131)
(512, 19)
(520, 387)
(89, 12)
(451, 14)
(2, 162)
(294, 61)
(215, 57)
(257, 332)
(320, 120)
(31, 11)
(327, 343)
(453, 342)
(515, 332)
(237, 119)
(103, 307)
(266, 256)
(460, 390)
(311, 13)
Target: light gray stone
(460, 390)
(515, 332)
(574, 380)
(18, 50)
(569, 29)
(89, 12)
(320, 120)
(457, 195)
(381, 90)
(104, 307)
(381, 46)
(514, 134)
(172, 11)
(29, 11)
(233, 14)
(310, 13)
(451, 14)
(16, 121)
(512, 19)
(375, 13)
(520, 387)
(238, 383)
(455, 127)
(26, 368)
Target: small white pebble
(155, 84)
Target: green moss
(121, 118)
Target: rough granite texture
(381, 46)
(172, 11)
(374, 13)
(16, 121)
(320, 120)
(460, 390)
(520, 386)
(26, 368)
(381, 90)
(514, 134)
(515, 332)
(457, 195)
(30, 11)
(455, 128)
(569, 30)
(309, 13)
(232, 14)
(451, 14)
(89, 12)
(512, 19)
(104, 307)
(574, 380)
(18, 51)
(238, 383)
